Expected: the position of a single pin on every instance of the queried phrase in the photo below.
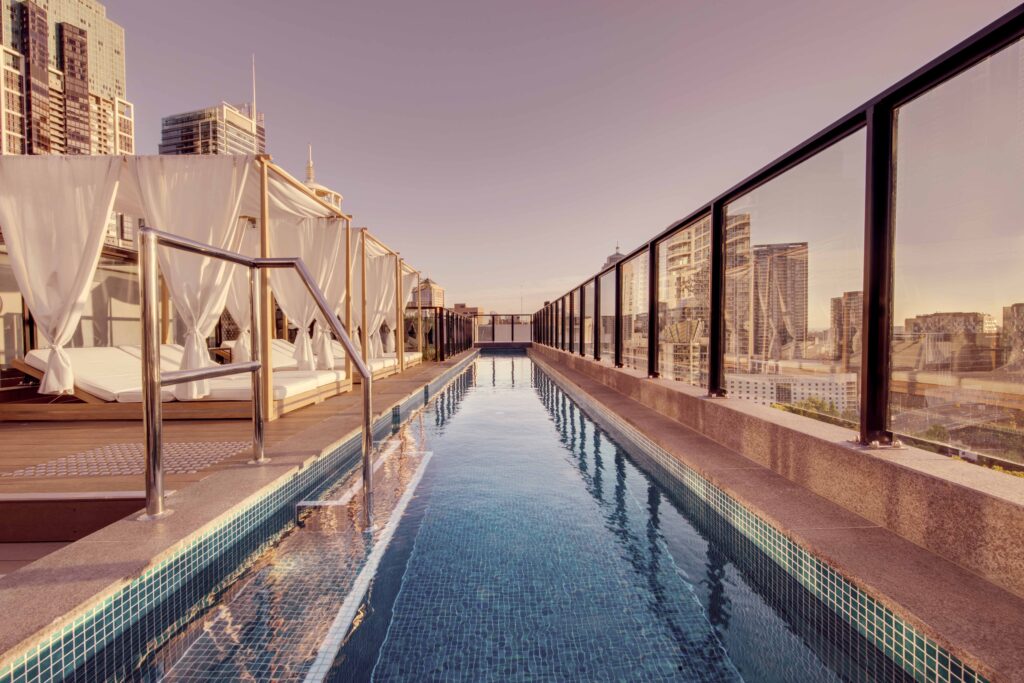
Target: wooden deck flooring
(33, 443)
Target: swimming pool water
(535, 548)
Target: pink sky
(504, 148)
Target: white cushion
(282, 354)
(170, 355)
(286, 385)
(106, 372)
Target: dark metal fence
(700, 303)
(445, 332)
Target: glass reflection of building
(684, 299)
(766, 297)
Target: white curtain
(53, 214)
(238, 303)
(319, 242)
(380, 298)
(197, 198)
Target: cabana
(54, 212)
(383, 284)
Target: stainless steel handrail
(153, 379)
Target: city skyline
(474, 159)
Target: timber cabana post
(266, 330)
(399, 331)
(419, 312)
(364, 337)
(348, 290)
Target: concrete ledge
(977, 621)
(967, 514)
(42, 597)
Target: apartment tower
(62, 89)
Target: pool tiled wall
(911, 650)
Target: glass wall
(502, 328)
(958, 320)
(794, 273)
(634, 312)
(588, 319)
(606, 326)
(574, 321)
(566, 317)
(684, 303)
(522, 328)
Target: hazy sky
(504, 148)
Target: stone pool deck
(894, 523)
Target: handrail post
(256, 343)
(367, 446)
(878, 257)
(598, 327)
(716, 322)
(583, 321)
(152, 410)
(618, 315)
(652, 310)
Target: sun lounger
(106, 372)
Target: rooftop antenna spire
(310, 174)
(253, 108)
(255, 124)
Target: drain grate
(118, 459)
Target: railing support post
(597, 318)
(652, 309)
(583, 320)
(878, 259)
(716, 315)
(152, 415)
(618, 315)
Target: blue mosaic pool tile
(916, 654)
(113, 638)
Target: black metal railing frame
(877, 117)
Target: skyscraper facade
(63, 85)
(847, 314)
(765, 297)
(222, 129)
(780, 300)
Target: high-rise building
(63, 85)
(221, 129)
(428, 294)
(780, 300)
(954, 342)
(765, 297)
(844, 335)
(1013, 336)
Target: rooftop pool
(516, 540)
